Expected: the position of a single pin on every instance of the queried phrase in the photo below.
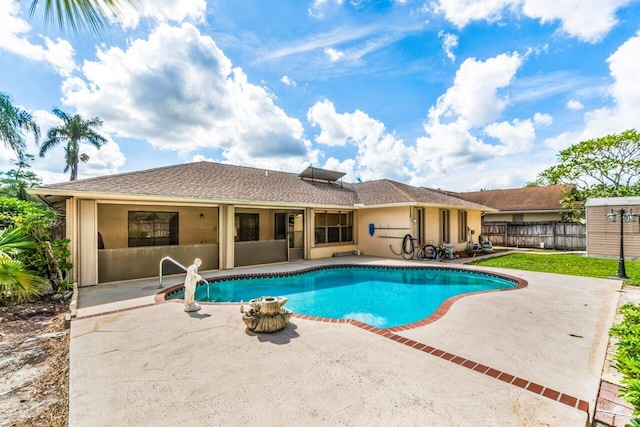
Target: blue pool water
(378, 296)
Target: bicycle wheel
(429, 252)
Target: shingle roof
(208, 180)
(385, 191)
(520, 199)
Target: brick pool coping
(390, 333)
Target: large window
(247, 227)
(334, 227)
(445, 236)
(462, 226)
(153, 228)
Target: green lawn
(572, 264)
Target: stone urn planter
(267, 314)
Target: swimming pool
(380, 296)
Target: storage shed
(608, 219)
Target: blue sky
(453, 94)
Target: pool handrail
(168, 258)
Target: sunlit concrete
(157, 365)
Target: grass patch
(572, 264)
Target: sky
(461, 95)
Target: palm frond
(92, 15)
(14, 241)
(17, 282)
(13, 121)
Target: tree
(17, 181)
(93, 15)
(72, 131)
(600, 167)
(13, 122)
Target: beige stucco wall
(192, 230)
(383, 219)
(398, 218)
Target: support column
(227, 236)
(87, 243)
(71, 227)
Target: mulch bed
(34, 364)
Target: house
(529, 217)
(528, 204)
(121, 226)
(606, 226)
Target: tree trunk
(74, 172)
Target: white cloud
(462, 12)
(514, 137)
(474, 95)
(625, 92)
(468, 110)
(14, 30)
(586, 20)
(449, 42)
(572, 104)
(178, 91)
(288, 81)
(319, 7)
(380, 154)
(334, 55)
(176, 11)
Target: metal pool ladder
(168, 258)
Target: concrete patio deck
(153, 364)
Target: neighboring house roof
(546, 198)
(236, 184)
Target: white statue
(190, 283)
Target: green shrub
(628, 355)
(37, 222)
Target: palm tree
(80, 14)
(15, 280)
(72, 131)
(13, 122)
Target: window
(153, 228)
(462, 226)
(518, 217)
(247, 227)
(334, 227)
(280, 226)
(444, 226)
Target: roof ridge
(397, 184)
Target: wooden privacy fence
(547, 234)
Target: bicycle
(429, 251)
